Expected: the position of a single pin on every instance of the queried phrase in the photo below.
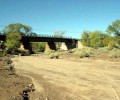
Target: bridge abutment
(79, 44)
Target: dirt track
(65, 79)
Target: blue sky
(72, 16)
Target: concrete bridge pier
(68, 45)
(50, 46)
(71, 45)
(79, 44)
(26, 45)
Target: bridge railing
(50, 36)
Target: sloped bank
(12, 85)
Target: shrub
(52, 54)
(115, 53)
(56, 55)
(49, 51)
(23, 52)
(38, 46)
(103, 50)
(74, 50)
(1, 54)
(84, 52)
(5, 52)
(79, 53)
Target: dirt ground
(69, 78)
(10, 83)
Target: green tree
(14, 33)
(38, 46)
(86, 38)
(19, 28)
(13, 41)
(110, 41)
(32, 34)
(106, 40)
(96, 39)
(114, 28)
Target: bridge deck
(42, 39)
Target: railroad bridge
(66, 42)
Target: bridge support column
(26, 46)
(68, 45)
(63, 46)
(79, 44)
(50, 46)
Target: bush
(56, 55)
(52, 54)
(38, 46)
(103, 50)
(74, 50)
(1, 54)
(49, 51)
(23, 52)
(5, 52)
(115, 53)
(84, 52)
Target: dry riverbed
(70, 79)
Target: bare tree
(60, 34)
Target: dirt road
(65, 79)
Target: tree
(96, 39)
(38, 46)
(109, 41)
(14, 32)
(13, 41)
(58, 34)
(114, 28)
(19, 28)
(86, 38)
(106, 40)
(32, 34)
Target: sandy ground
(70, 79)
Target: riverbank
(11, 83)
